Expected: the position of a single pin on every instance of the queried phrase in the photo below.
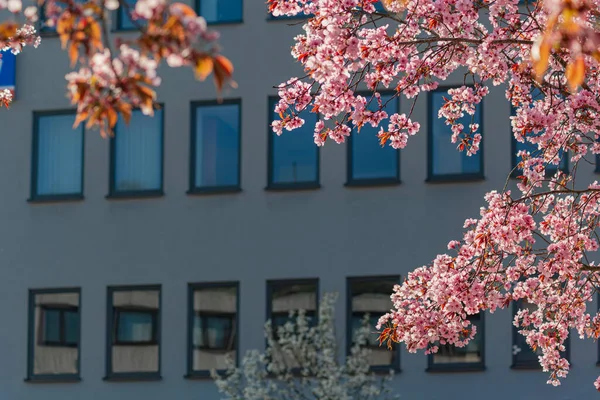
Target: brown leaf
(223, 70)
(204, 67)
(184, 9)
(575, 73)
(125, 109)
(73, 53)
(540, 60)
(112, 117)
(82, 116)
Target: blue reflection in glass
(446, 159)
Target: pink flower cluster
(533, 245)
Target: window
(523, 356)
(293, 156)
(124, 20)
(216, 133)
(212, 326)
(137, 156)
(54, 329)
(221, 11)
(57, 157)
(133, 332)
(468, 358)
(368, 162)
(284, 297)
(43, 28)
(371, 296)
(446, 162)
(532, 148)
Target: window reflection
(56, 333)
(523, 355)
(135, 330)
(294, 157)
(472, 353)
(446, 159)
(214, 326)
(372, 296)
(221, 11)
(292, 296)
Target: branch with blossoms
(110, 83)
(534, 244)
(301, 362)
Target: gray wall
(252, 236)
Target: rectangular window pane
(446, 158)
(217, 146)
(138, 153)
(124, 19)
(54, 325)
(221, 10)
(51, 332)
(286, 297)
(59, 150)
(294, 155)
(135, 326)
(214, 332)
(71, 327)
(372, 296)
(134, 330)
(472, 353)
(523, 355)
(369, 160)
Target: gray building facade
(115, 258)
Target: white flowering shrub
(301, 362)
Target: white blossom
(301, 362)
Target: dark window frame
(461, 177)
(193, 189)
(192, 288)
(529, 364)
(350, 180)
(287, 186)
(34, 197)
(111, 329)
(118, 18)
(31, 377)
(198, 9)
(462, 367)
(62, 309)
(272, 284)
(514, 160)
(113, 193)
(139, 310)
(350, 314)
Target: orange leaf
(73, 53)
(125, 109)
(82, 116)
(184, 9)
(542, 48)
(575, 73)
(204, 67)
(112, 117)
(223, 70)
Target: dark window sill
(372, 183)
(282, 187)
(48, 34)
(55, 198)
(526, 367)
(214, 190)
(456, 368)
(133, 377)
(455, 178)
(201, 375)
(135, 195)
(385, 369)
(53, 379)
(124, 30)
(221, 23)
